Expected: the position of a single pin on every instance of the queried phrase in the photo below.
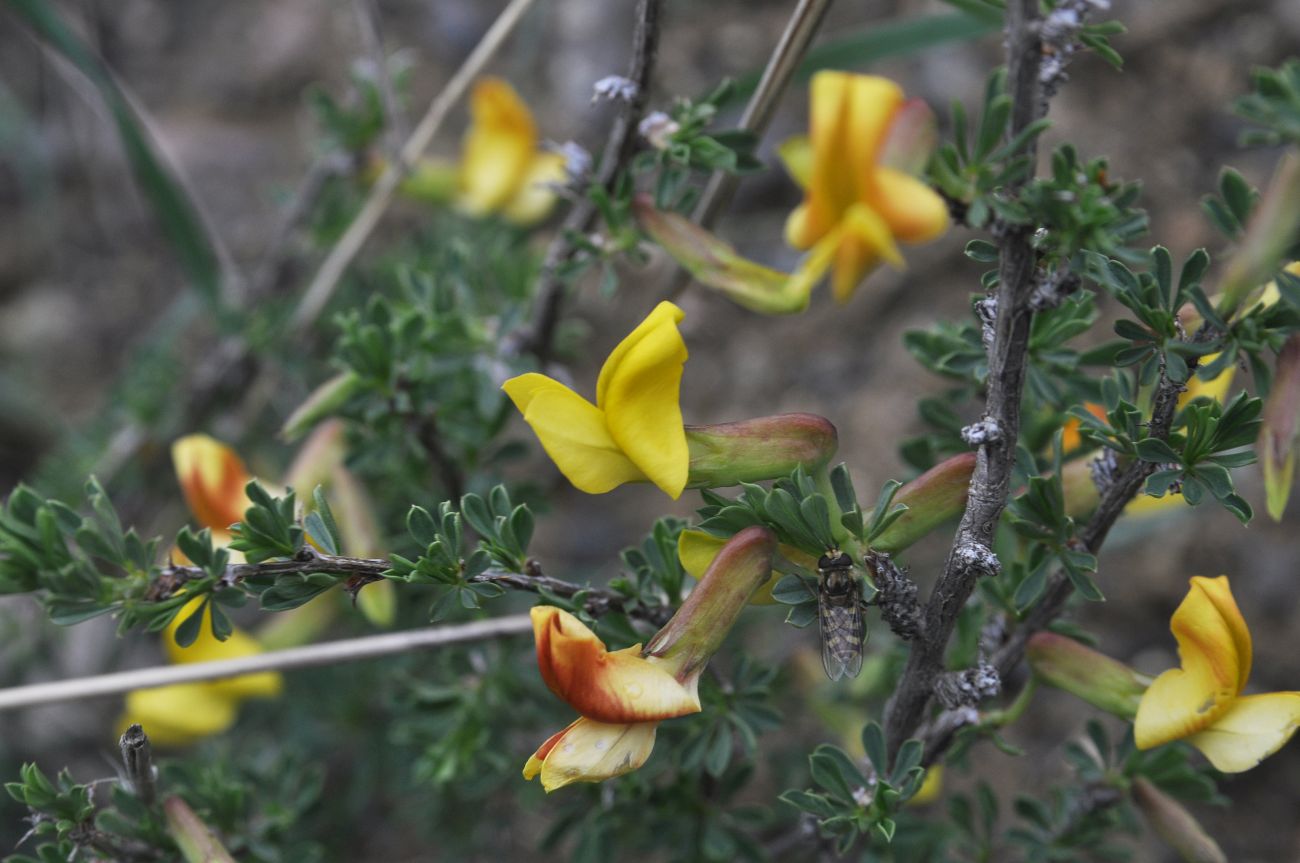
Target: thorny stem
(970, 556)
(137, 763)
(619, 147)
(364, 570)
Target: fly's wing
(843, 630)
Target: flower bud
(323, 402)
(752, 450)
(932, 498)
(1096, 678)
(1277, 434)
(1175, 825)
(196, 841)
(696, 631)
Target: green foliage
(852, 804)
(979, 161)
(452, 561)
(1274, 105)
(794, 508)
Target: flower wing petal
(535, 196)
(608, 687)
(914, 212)
(498, 147)
(573, 432)
(1253, 728)
(639, 390)
(212, 478)
(1211, 639)
(590, 751)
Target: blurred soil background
(85, 273)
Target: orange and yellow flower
(859, 203)
(623, 695)
(1201, 702)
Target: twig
(781, 66)
(971, 555)
(619, 146)
(329, 653)
(363, 224)
(786, 57)
(137, 762)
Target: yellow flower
(502, 170)
(623, 695)
(634, 430)
(857, 205)
(1202, 701)
(212, 478)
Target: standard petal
(914, 212)
(1253, 728)
(796, 153)
(179, 715)
(640, 392)
(212, 477)
(498, 147)
(590, 751)
(608, 687)
(1214, 648)
(535, 196)
(573, 432)
(873, 102)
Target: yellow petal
(796, 154)
(1253, 728)
(865, 242)
(1215, 650)
(179, 715)
(212, 477)
(535, 196)
(590, 751)
(609, 687)
(914, 212)
(573, 432)
(639, 390)
(206, 648)
(831, 187)
(498, 147)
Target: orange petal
(604, 686)
(212, 477)
(1215, 650)
(1253, 728)
(873, 103)
(590, 751)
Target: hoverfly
(839, 615)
